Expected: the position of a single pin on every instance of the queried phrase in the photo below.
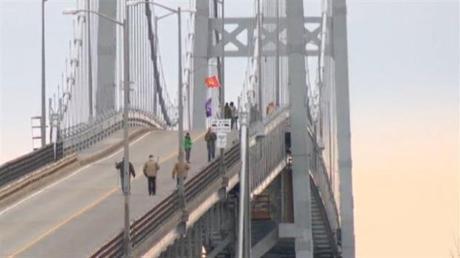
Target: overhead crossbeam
(239, 34)
(265, 244)
(220, 247)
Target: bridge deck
(77, 215)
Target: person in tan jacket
(180, 171)
(151, 168)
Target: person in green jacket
(187, 146)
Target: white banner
(221, 140)
(221, 125)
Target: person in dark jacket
(234, 116)
(227, 111)
(210, 138)
(120, 166)
(187, 146)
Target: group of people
(230, 112)
(150, 169)
(180, 169)
(210, 138)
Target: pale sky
(404, 79)
(404, 86)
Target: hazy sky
(404, 70)
(404, 84)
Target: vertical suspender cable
(156, 73)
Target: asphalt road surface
(76, 215)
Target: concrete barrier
(44, 176)
(33, 181)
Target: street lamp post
(127, 190)
(126, 180)
(90, 63)
(181, 111)
(178, 12)
(259, 57)
(43, 99)
(244, 235)
(277, 71)
(223, 190)
(155, 40)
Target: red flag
(212, 82)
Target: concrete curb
(40, 178)
(32, 181)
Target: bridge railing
(268, 148)
(32, 161)
(322, 181)
(318, 172)
(75, 139)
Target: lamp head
(70, 12)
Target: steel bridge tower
(211, 37)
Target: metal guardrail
(320, 177)
(330, 230)
(270, 149)
(154, 218)
(87, 135)
(32, 161)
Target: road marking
(66, 177)
(55, 227)
(88, 207)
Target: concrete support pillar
(174, 249)
(197, 240)
(106, 54)
(182, 251)
(299, 122)
(340, 54)
(200, 64)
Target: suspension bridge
(281, 186)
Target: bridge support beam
(340, 54)
(106, 55)
(200, 64)
(264, 245)
(299, 123)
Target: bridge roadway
(78, 214)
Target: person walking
(234, 116)
(180, 171)
(120, 166)
(227, 111)
(210, 138)
(151, 168)
(187, 146)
